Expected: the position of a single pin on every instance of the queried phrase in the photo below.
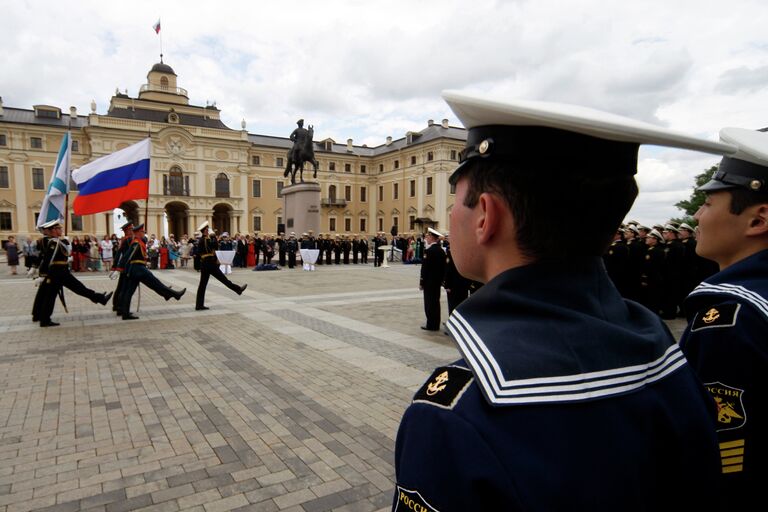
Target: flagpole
(69, 178)
(146, 205)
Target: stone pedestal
(301, 208)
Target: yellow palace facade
(203, 170)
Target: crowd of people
(657, 266)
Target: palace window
(429, 186)
(36, 143)
(381, 167)
(363, 194)
(348, 192)
(75, 146)
(332, 224)
(381, 224)
(430, 156)
(395, 190)
(176, 183)
(347, 167)
(347, 224)
(453, 154)
(38, 179)
(280, 185)
(413, 160)
(222, 185)
(164, 83)
(257, 223)
(412, 188)
(332, 194)
(362, 169)
(412, 222)
(3, 140)
(77, 222)
(255, 160)
(396, 165)
(6, 223)
(279, 162)
(332, 166)
(4, 180)
(381, 192)
(362, 225)
(256, 188)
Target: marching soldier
(120, 263)
(209, 266)
(136, 271)
(42, 267)
(58, 276)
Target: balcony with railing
(159, 88)
(333, 201)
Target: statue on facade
(301, 152)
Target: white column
(22, 211)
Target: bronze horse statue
(301, 153)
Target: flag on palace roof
(109, 181)
(54, 201)
(156, 26)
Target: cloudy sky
(368, 70)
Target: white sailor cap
(225, 235)
(51, 224)
(671, 227)
(203, 226)
(655, 234)
(434, 232)
(686, 227)
(555, 139)
(747, 168)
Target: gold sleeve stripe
(731, 453)
(733, 460)
(733, 469)
(731, 444)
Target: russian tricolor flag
(109, 181)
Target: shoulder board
(445, 386)
(722, 315)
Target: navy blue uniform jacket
(727, 344)
(568, 398)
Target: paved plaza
(285, 398)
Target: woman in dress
(31, 254)
(76, 254)
(251, 260)
(106, 253)
(12, 254)
(163, 253)
(173, 252)
(184, 250)
(94, 254)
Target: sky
(367, 70)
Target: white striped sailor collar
(745, 281)
(550, 334)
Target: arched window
(164, 83)
(222, 185)
(176, 182)
(332, 193)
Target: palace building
(202, 169)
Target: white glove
(38, 281)
(114, 275)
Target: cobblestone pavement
(285, 398)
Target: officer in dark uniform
(58, 276)
(431, 279)
(726, 340)
(652, 273)
(567, 397)
(346, 247)
(355, 249)
(209, 266)
(291, 246)
(364, 249)
(136, 271)
(42, 269)
(281, 249)
(320, 246)
(337, 250)
(674, 254)
(328, 248)
(616, 260)
(120, 262)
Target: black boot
(130, 316)
(176, 294)
(242, 289)
(103, 298)
(48, 323)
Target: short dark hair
(542, 204)
(741, 199)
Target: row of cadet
(657, 267)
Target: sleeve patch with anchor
(412, 500)
(445, 386)
(722, 315)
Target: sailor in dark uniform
(567, 397)
(363, 249)
(616, 260)
(42, 269)
(431, 279)
(674, 257)
(291, 247)
(58, 276)
(209, 266)
(652, 273)
(120, 261)
(136, 271)
(727, 338)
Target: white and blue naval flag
(53, 204)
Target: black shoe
(176, 295)
(242, 289)
(48, 323)
(130, 316)
(201, 308)
(104, 298)
(424, 327)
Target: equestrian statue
(301, 152)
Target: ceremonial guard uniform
(209, 266)
(120, 263)
(280, 251)
(652, 274)
(42, 269)
(431, 280)
(56, 256)
(328, 249)
(337, 250)
(673, 284)
(291, 246)
(346, 246)
(136, 271)
(355, 249)
(363, 250)
(567, 397)
(727, 337)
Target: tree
(692, 205)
